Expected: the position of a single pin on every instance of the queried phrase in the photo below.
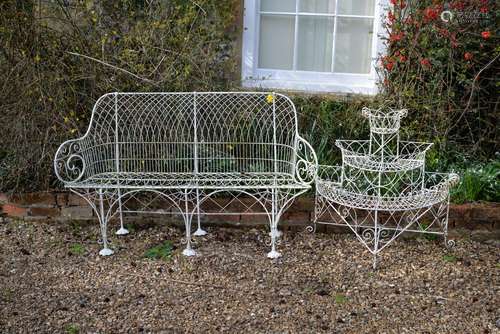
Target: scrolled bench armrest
(306, 166)
(69, 163)
(453, 179)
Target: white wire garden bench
(185, 150)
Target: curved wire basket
(384, 122)
(357, 153)
(435, 189)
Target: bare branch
(114, 67)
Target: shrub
(445, 73)
(57, 59)
(480, 182)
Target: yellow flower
(270, 98)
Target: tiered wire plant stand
(381, 189)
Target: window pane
(356, 7)
(276, 41)
(353, 45)
(315, 40)
(277, 5)
(317, 6)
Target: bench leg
(274, 254)
(105, 251)
(199, 232)
(187, 221)
(122, 230)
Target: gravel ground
(53, 281)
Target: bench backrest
(186, 132)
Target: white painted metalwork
(183, 153)
(382, 190)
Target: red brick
(221, 218)
(13, 210)
(75, 200)
(496, 225)
(296, 217)
(459, 216)
(62, 198)
(483, 212)
(76, 212)
(303, 204)
(460, 210)
(44, 198)
(44, 212)
(4, 198)
(254, 219)
(335, 229)
(229, 204)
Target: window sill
(368, 87)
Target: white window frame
(308, 81)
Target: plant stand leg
(375, 259)
(375, 240)
(122, 230)
(274, 254)
(188, 251)
(199, 232)
(447, 242)
(105, 251)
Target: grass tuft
(160, 252)
(77, 249)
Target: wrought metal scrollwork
(306, 166)
(453, 179)
(69, 163)
(368, 235)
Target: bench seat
(133, 180)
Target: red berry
(425, 62)
(486, 34)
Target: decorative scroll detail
(385, 235)
(453, 180)
(306, 166)
(368, 235)
(69, 163)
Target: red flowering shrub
(442, 62)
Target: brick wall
(64, 206)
